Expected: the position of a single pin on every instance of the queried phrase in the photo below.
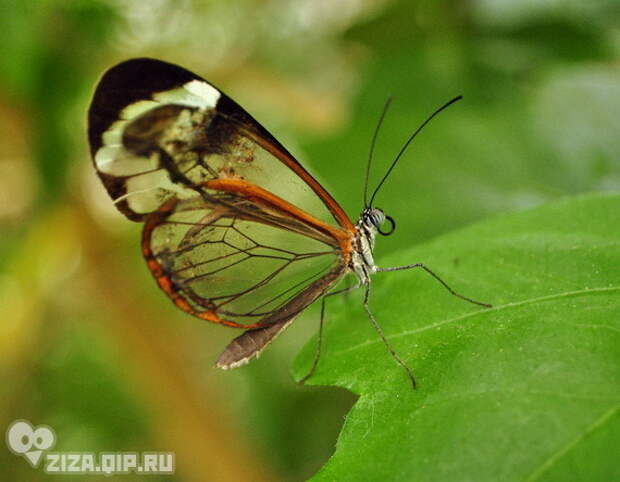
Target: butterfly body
(362, 260)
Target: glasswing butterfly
(236, 231)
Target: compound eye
(376, 217)
(392, 227)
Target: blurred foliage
(91, 348)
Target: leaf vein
(517, 304)
(459, 397)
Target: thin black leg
(385, 340)
(445, 285)
(320, 335)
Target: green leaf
(527, 390)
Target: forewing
(158, 131)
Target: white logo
(24, 439)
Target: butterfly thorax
(362, 262)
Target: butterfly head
(375, 218)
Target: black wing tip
(128, 69)
(127, 82)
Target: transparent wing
(235, 227)
(158, 131)
(232, 266)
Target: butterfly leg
(385, 340)
(445, 285)
(317, 354)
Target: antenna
(406, 145)
(372, 148)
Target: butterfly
(235, 230)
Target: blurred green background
(91, 347)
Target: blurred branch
(189, 422)
(27, 279)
